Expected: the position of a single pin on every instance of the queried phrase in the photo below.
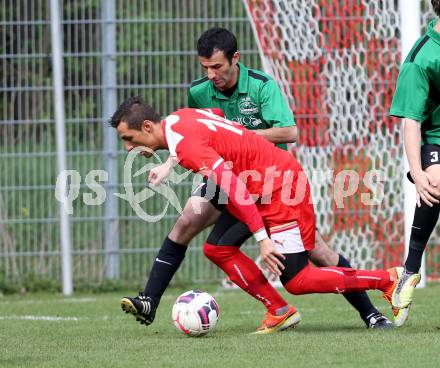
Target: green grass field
(42, 330)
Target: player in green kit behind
(253, 99)
(417, 101)
(246, 96)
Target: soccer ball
(195, 313)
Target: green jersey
(417, 94)
(257, 103)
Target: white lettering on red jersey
(208, 144)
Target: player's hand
(271, 257)
(158, 174)
(427, 189)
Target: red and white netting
(337, 63)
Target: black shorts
(209, 190)
(293, 265)
(228, 230)
(430, 155)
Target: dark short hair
(134, 111)
(436, 6)
(217, 39)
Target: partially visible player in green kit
(417, 101)
(253, 99)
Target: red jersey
(231, 155)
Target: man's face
(133, 138)
(223, 74)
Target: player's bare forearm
(412, 139)
(279, 135)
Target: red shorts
(290, 221)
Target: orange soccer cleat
(273, 323)
(395, 273)
(400, 294)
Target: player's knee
(198, 214)
(436, 177)
(186, 220)
(296, 287)
(296, 284)
(218, 253)
(187, 226)
(208, 250)
(212, 253)
(293, 288)
(215, 253)
(434, 171)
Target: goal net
(337, 63)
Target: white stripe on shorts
(288, 241)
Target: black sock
(359, 299)
(165, 265)
(425, 219)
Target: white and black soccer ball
(195, 313)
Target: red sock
(244, 272)
(337, 280)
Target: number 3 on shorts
(434, 156)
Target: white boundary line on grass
(40, 318)
(39, 301)
(50, 318)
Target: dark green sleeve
(411, 96)
(191, 101)
(273, 106)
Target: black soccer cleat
(379, 321)
(141, 307)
